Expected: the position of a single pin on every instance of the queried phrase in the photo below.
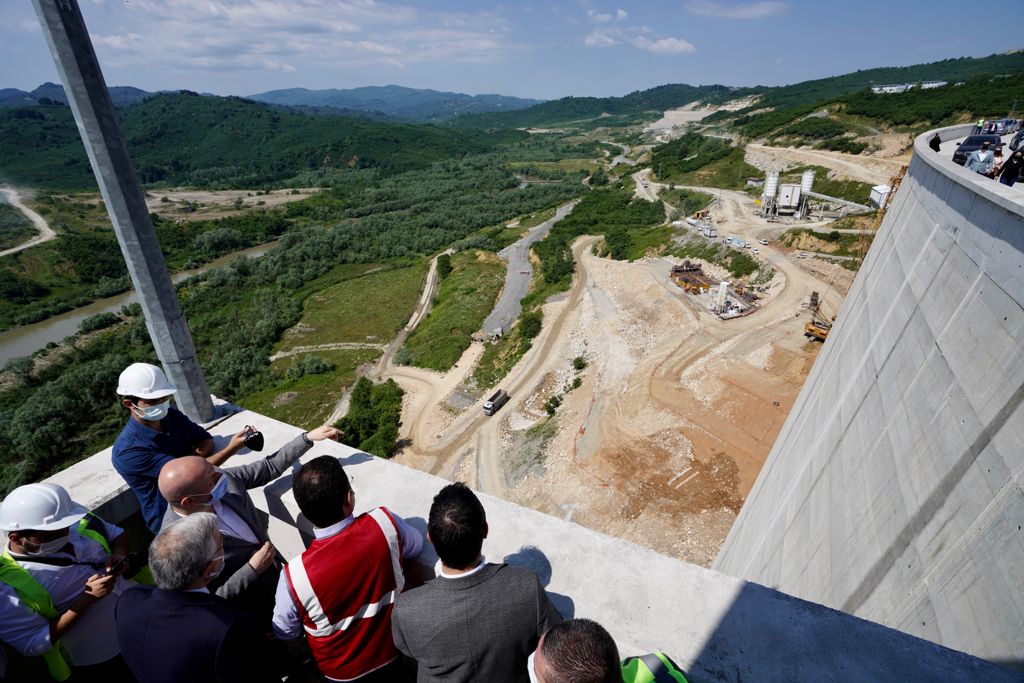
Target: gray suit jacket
(479, 628)
(238, 581)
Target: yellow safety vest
(36, 598)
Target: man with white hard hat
(155, 434)
(59, 567)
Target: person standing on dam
(155, 434)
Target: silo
(806, 182)
(771, 185)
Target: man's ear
(486, 529)
(127, 404)
(429, 539)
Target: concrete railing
(894, 490)
(717, 627)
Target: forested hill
(951, 70)
(639, 105)
(187, 139)
(396, 101)
(569, 109)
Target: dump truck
(495, 402)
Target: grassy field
(498, 359)
(852, 190)
(307, 402)
(729, 173)
(363, 306)
(644, 240)
(464, 299)
(14, 227)
(563, 165)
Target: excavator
(819, 326)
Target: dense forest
(188, 139)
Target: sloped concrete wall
(894, 491)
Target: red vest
(345, 587)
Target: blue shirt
(140, 452)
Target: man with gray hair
(179, 632)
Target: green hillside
(574, 109)
(187, 139)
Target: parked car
(1015, 142)
(1012, 126)
(972, 143)
(763, 242)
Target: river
(27, 339)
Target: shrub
(530, 324)
(308, 365)
(98, 322)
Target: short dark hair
(581, 651)
(457, 526)
(320, 489)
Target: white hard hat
(144, 381)
(43, 507)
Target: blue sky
(529, 49)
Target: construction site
(690, 374)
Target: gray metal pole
(86, 90)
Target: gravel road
(520, 271)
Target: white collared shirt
(93, 638)
(439, 570)
(231, 524)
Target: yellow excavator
(819, 327)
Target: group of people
(990, 162)
(213, 600)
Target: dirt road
(45, 233)
(874, 170)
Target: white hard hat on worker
(143, 380)
(39, 506)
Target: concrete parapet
(894, 491)
(717, 627)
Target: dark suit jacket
(238, 582)
(179, 637)
(478, 628)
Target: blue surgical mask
(153, 413)
(219, 489)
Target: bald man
(191, 484)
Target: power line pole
(79, 70)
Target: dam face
(894, 491)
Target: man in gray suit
(477, 621)
(191, 484)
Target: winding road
(45, 233)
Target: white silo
(771, 185)
(806, 182)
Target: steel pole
(79, 70)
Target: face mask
(47, 548)
(529, 667)
(219, 489)
(153, 413)
(215, 574)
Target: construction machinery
(820, 326)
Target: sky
(543, 50)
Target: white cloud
(621, 15)
(296, 35)
(600, 38)
(751, 10)
(664, 46)
(598, 17)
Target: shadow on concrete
(533, 558)
(766, 635)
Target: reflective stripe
(304, 592)
(91, 526)
(660, 671)
(311, 603)
(394, 545)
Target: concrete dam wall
(894, 491)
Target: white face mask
(530, 668)
(47, 548)
(215, 574)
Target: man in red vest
(341, 590)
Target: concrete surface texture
(894, 491)
(717, 627)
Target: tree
(530, 324)
(444, 266)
